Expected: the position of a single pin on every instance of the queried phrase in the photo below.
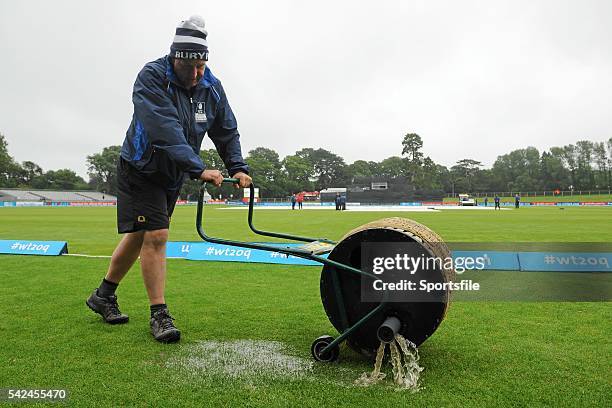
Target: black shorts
(142, 204)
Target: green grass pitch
(483, 354)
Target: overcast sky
(475, 79)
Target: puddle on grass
(255, 362)
(247, 360)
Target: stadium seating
(56, 196)
(20, 195)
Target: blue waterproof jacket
(169, 123)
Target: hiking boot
(107, 307)
(163, 328)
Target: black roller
(418, 320)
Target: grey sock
(155, 308)
(107, 288)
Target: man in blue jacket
(176, 101)
(517, 200)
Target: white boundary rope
(109, 256)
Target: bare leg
(124, 256)
(153, 264)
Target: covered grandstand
(54, 196)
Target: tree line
(585, 165)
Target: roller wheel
(319, 344)
(419, 319)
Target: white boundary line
(88, 256)
(109, 256)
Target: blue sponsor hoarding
(565, 261)
(266, 204)
(492, 260)
(227, 253)
(26, 247)
(178, 249)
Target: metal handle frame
(301, 253)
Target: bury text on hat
(190, 55)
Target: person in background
(300, 200)
(517, 200)
(293, 200)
